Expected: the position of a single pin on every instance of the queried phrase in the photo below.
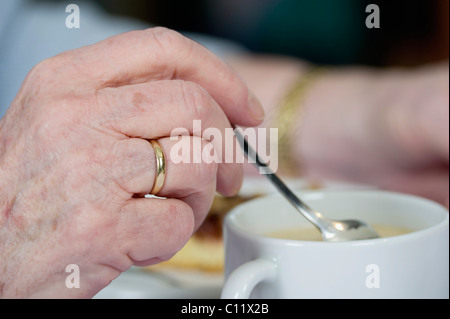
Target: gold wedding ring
(160, 167)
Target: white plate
(143, 284)
(137, 283)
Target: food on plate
(205, 250)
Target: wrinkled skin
(75, 160)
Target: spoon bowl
(346, 230)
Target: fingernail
(255, 107)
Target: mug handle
(244, 278)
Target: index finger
(163, 54)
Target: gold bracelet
(289, 111)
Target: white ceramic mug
(413, 265)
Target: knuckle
(45, 66)
(196, 99)
(205, 173)
(38, 77)
(168, 40)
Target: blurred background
(331, 32)
(326, 31)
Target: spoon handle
(313, 216)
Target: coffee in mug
(412, 262)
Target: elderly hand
(75, 160)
